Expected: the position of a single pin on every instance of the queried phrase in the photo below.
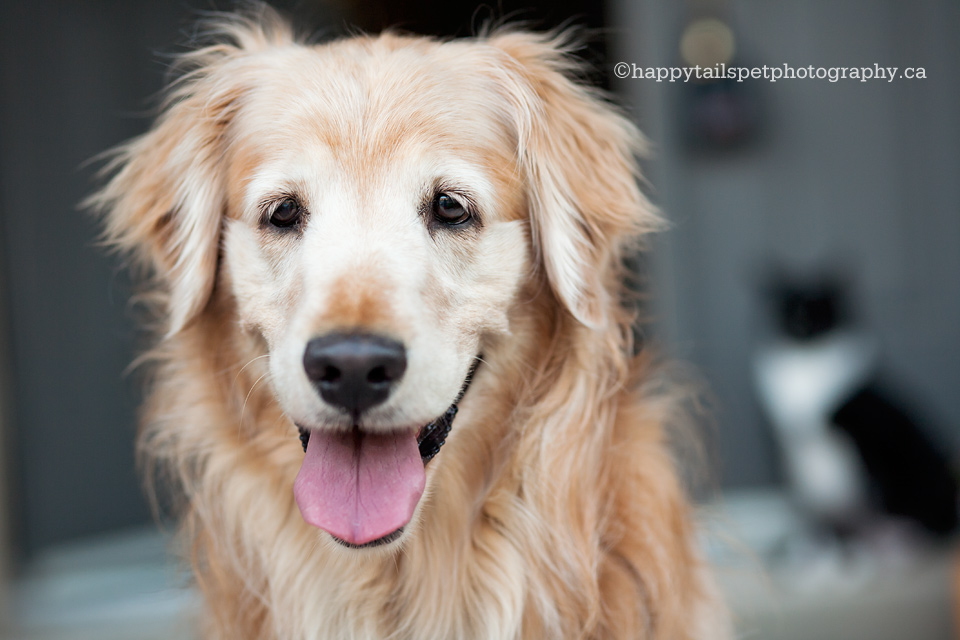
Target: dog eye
(447, 210)
(287, 214)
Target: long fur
(554, 511)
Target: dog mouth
(430, 437)
(379, 542)
(363, 487)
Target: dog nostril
(330, 375)
(378, 375)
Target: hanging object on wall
(719, 112)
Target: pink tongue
(359, 487)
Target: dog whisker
(250, 362)
(247, 398)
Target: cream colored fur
(554, 510)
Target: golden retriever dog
(393, 380)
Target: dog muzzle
(363, 488)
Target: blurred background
(811, 275)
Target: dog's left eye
(447, 210)
(287, 214)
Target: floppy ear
(164, 204)
(578, 155)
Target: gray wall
(74, 79)
(862, 174)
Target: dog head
(371, 208)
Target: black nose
(354, 371)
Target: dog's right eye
(287, 214)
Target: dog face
(371, 208)
(378, 238)
(404, 223)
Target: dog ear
(578, 155)
(163, 205)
